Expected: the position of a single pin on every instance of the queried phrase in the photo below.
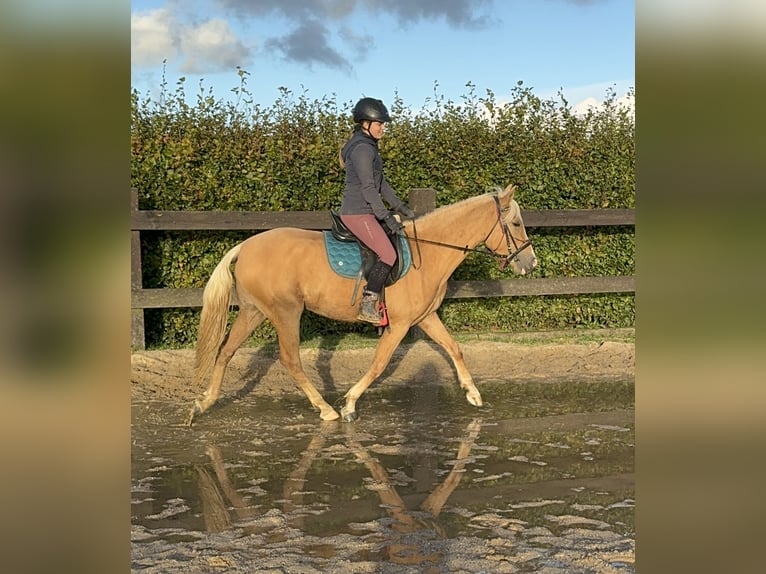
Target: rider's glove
(392, 223)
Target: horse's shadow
(266, 357)
(259, 364)
(428, 371)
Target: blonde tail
(215, 314)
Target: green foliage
(217, 155)
(539, 313)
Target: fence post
(422, 200)
(138, 342)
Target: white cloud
(627, 101)
(597, 91)
(151, 38)
(585, 102)
(210, 47)
(581, 98)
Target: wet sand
(540, 479)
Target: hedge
(224, 155)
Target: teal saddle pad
(346, 259)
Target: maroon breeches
(369, 231)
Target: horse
(281, 272)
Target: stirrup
(369, 309)
(372, 319)
(375, 319)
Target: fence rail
(262, 220)
(422, 200)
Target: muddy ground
(610, 356)
(540, 479)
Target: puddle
(541, 478)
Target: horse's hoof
(331, 415)
(474, 399)
(350, 417)
(195, 410)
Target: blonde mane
(458, 207)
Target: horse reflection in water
(410, 529)
(412, 536)
(217, 518)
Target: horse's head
(510, 239)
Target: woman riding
(362, 209)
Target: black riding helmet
(370, 109)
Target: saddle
(348, 256)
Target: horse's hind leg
(248, 319)
(434, 328)
(287, 325)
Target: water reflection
(408, 538)
(416, 489)
(219, 494)
(410, 532)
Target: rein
(509, 239)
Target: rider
(362, 209)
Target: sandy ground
(167, 375)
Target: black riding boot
(376, 280)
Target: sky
(413, 49)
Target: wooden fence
(422, 200)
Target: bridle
(510, 240)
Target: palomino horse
(283, 271)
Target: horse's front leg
(388, 342)
(434, 328)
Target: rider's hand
(392, 223)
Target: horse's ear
(506, 195)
